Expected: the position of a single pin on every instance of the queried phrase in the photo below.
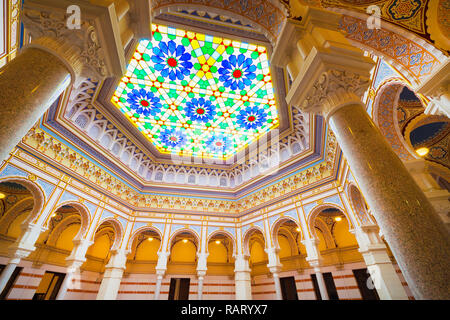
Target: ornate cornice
(80, 49)
(61, 156)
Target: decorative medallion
(404, 9)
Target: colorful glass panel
(193, 94)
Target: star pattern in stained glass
(193, 94)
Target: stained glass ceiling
(193, 94)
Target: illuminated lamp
(422, 151)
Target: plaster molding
(79, 49)
(333, 89)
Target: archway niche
(66, 223)
(254, 247)
(16, 206)
(184, 246)
(143, 257)
(107, 238)
(287, 237)
(337, 245)
(220, 259)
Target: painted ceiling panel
(193, 94)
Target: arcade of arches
(224, 150)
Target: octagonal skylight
(193, 94)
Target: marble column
(29, 84)
(161, 268)
(59, 56)
(333, 76)
(242, 278)
(382, 272)
(416, 235)
(74, 261)
(112, 276)
(201, 272)
(274, 266)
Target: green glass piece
(157, 36)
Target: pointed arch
(85, 217)
(358, 204)
(317, 210)
(184, 230)
(118, 231)
(14, 212)
(227, 235)
(246, 239)
(385, 117)
(276, 227)
(137, 232)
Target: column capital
(314, 262)
(201, 273)
(332, 89)
(93, 49)
(274, 264)
(313, 254)
(16, 254)
(327, 71)
(161, 265)
(82, 242)
(118, 259)
(312, 248)
(241, 263)
(437, 88)
(160, 273)
(25, 243)
(416, 165)
(202, 262)
(241, 256)
(420, 171)
(274, 250)
(78, 254)
(274, 269)
(202, 255)
(310, 241)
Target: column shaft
(67, 284)
(385, 280)
(413, 230)
(321, 283)
(243, 285)
(6, 274)
(242, 278)
(109, 287)
(158, 287)
(200, 288)
(28, 86)
(278, 293)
